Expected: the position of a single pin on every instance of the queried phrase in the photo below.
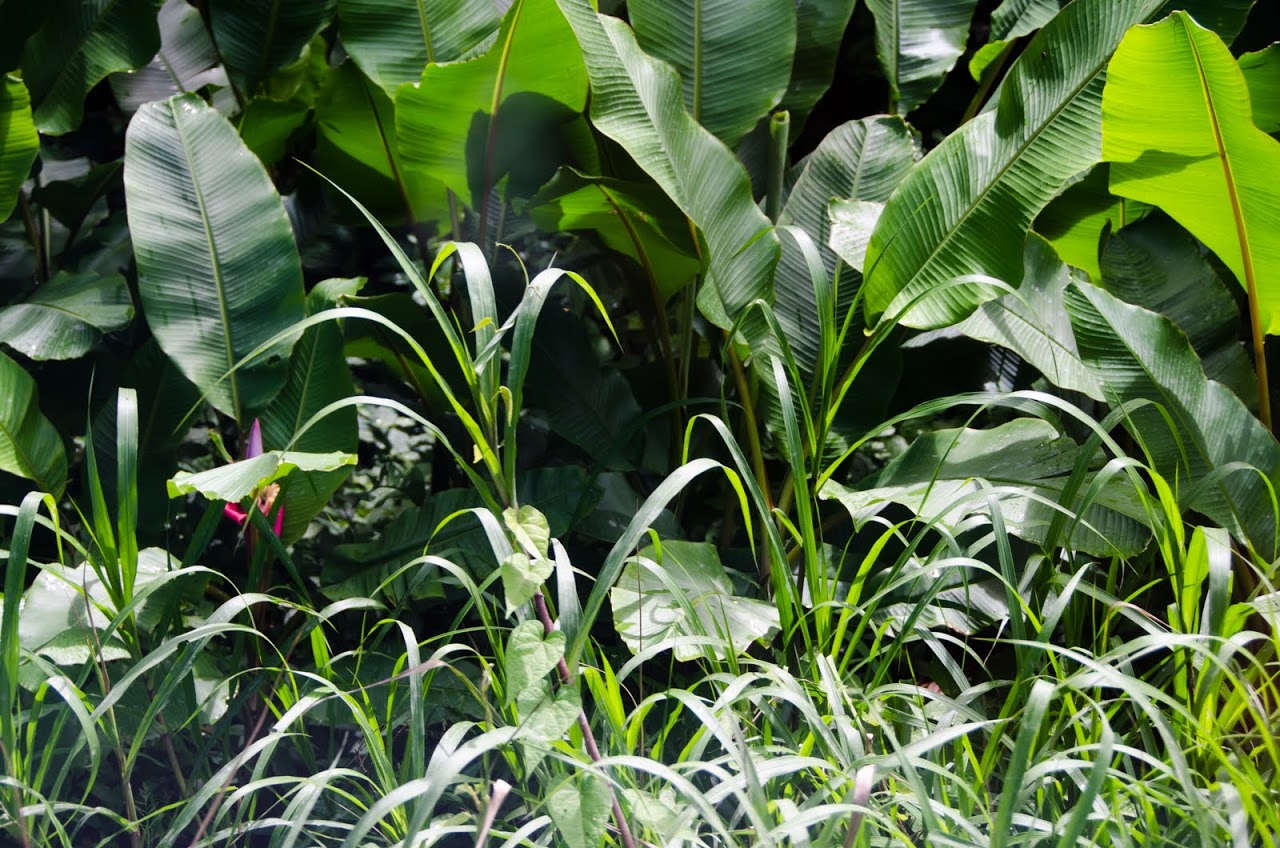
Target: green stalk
(779, 136)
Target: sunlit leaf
(19, 142)
(29, 445)
(66, 316)
(236, 481)
(918, 42)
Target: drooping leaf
(318, 375)
(1194, 150)
(257, 37)
(80, 43)
(187, 61)
(1157, 265)
(632, 218)
(218, 270)
(820, 27)
(639, 103)
(236, 481)
(685, 591)
(450, 123)
(19, 142)
(66, 316)
(393, 40)
(580, 809)
(1140, 355)
(966, 208)
(732, 73)
(1261, 71)
(1076, 220)
(940, 478)
(356, 148)
(29, 445)
(918, 42)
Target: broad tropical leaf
(218, 271)
(1026, 467)
(1262, 74)
(238, 480)
(452, 124)
(318, 375)
(1074, 223)
(1011, 20)
(266, 125)
(66, 316)
(918, 42)
(734, 56)
(685, 591)
(81, 42)
(19, 141)
(863, 161)
(356, 148)
(187, 61)
(638, 102)
(632, 218)
(394, 40)
(1155, 264)
(29, 445)
(1140, 355)
(1195, 152)
(966, 207)
(256, 37)
(820, 27)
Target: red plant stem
(588, 738)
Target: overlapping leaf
(918, 42)
(1261, 71)
(66, 316)
(638, 102)
(393, 40)
(966, 207)
(80, 43)
(256, 37)
(1076, 220)
(187, 61)
(19, 142)
(820, 28)
(734, 57)
(29, 445)
(218, 271)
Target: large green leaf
(81, 42)
(946, 475)
(66, 316)
(451, 124)
(19, 141)
(632, 218)
(638, 102)
(966, 207)
(1225, 17)
(257, 37)
(318, 375)
(684, 591)
(1011, 20)
(918, 42)
(820, 26)
(1195, 152)
(734, 56)
(1155, 264)
(218, 271)
(1076, 220)
(1137, 355)
(187, 61)
(393, 40)
(861, 160)
(356, 148)
(29, 446)
(1261, 71)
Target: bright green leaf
(238, 480)
(522, 578)
(531, 655)
(1194, 151)
(29, 445)
(580, 809)
(1262, 74)
(19, 141)
(265, 126)
(1074, 223)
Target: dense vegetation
(507, 422)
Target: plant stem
(588, 738)
(779, 138)
(33, 235)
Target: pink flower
(265, 497)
